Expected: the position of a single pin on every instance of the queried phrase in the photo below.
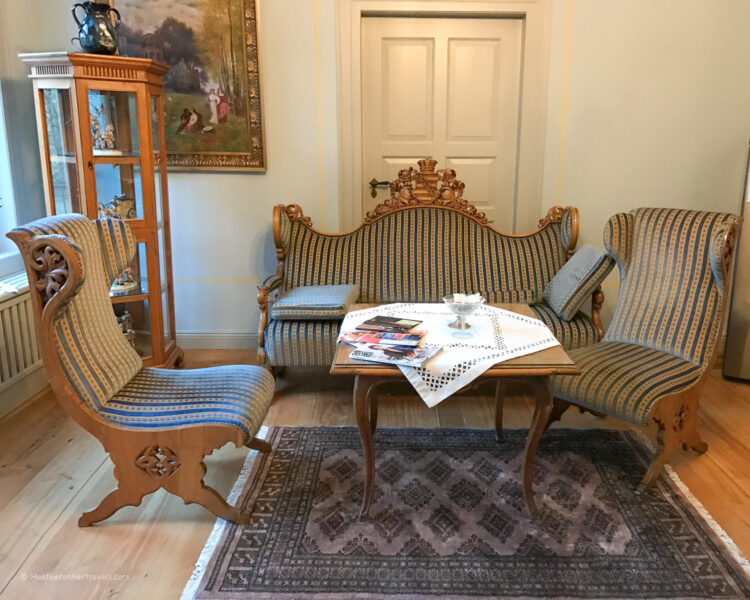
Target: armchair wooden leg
(259, 445)
(558, 408)
(668, 440)
(187, 483)
(114, 501)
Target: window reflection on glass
(157, 192)
(114, 123)
(134, 279)
(61, 145)
(155, 122)
(134, 319)
(118, 188)
(168, 337)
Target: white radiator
(19, 352)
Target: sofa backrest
(422, 253)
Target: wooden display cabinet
(101, 135)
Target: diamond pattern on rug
(448, 520)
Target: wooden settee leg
(259, 445)
(558, 408)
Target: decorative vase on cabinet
(101, 135)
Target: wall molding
(533, 97)
(217, 341)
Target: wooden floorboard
(51, 471)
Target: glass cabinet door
(59, 133)
(113, 122)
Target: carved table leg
(500, 387)
(366, 413)
(543, 394)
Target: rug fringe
(191, 587)
(728, 542)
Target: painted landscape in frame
(212, 96)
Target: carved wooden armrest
(267, 291)
(597, 301)
(54, 266)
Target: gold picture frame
(212, 94)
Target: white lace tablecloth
(498, 335)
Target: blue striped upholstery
(96, 358)
(418, 254)
(107, 374)
(321, 302)
(624, 380)
(575, 333)
(422, 254)
(237, 395)
(576, 280)
(301, 343)
(667, 318)
(118, 245)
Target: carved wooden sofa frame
(425, 187)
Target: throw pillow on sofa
(576, 280)
(322, 302)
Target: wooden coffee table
(534, 369)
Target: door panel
(449, 89)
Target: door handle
(375, 183)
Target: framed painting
(212, 95)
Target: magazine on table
(406, 356)
(388, 324)
(383, 337)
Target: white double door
(448, 88)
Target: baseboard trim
(217, 341)
(18, 392)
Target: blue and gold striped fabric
(422, 254)
(96, 358)
(118, 245)
(667, 318)
(318, 302)
(301, 343)
(624, 380)
(575, 333)
(237, 395)
(669, 300)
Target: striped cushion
(624, 380)
(237, 395)
(315, 302)
(96, 358)
(576, 281)
(118, 245)
(575, 333)
(421, 254)
(669, 300)
(301, 343)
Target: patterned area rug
(448, 521)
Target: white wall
(648, 105)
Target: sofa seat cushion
(237, 395)
(319, 302)
(624, 380)
(576, 281)
(575, 333)
(301, 343)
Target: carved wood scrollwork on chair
(155, 424)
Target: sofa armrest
(267, 290)
(597, 301)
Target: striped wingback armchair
(156, 424)
(675, 267)
(423, 243)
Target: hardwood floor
(51, 471)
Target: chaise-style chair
(156, 424)
(675, 270)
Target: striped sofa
(423, 243)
